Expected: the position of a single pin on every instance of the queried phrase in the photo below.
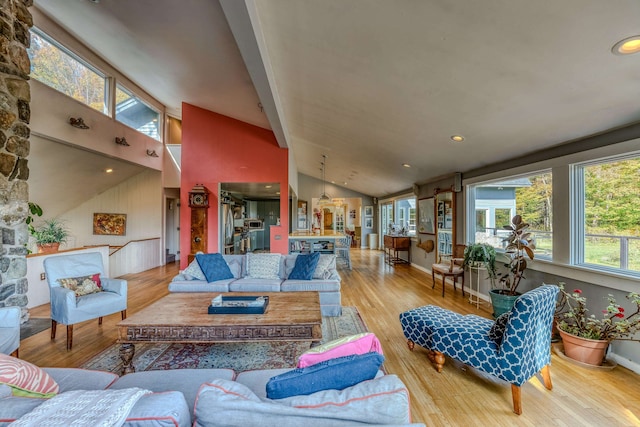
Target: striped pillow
(26, 379)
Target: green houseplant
(587, 337)
(519, 247)
(481, 255)
(49, 235)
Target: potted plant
(587, 337)
(481, 255)
(49, 235)
(519, 247)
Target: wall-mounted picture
(368, 211)
(109, 224)
(368, 223)
(426, 212)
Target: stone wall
(15, 21)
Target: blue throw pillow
(305, 266)
(214, 267)
(497, 330)
(332, 374)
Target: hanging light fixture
(324, 199)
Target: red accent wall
(217, 148)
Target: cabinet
(339, 219)
(256, 240)
(445, 224)
(395, 244)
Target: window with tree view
(494, 203)
(609, 214)
(56, 67)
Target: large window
(134, 112)
(399, 215)
(58, 68)
(608, 214)
(494, 203)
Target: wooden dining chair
(450, 268)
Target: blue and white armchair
(514, 348)
(69, 309)
(10, 330)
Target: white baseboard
(419, 267)
(622, 361)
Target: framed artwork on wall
(368, 211)
(368, 222)
(426, 212)
(108, 224)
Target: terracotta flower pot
(591, 352)
(48, 248)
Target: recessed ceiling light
(267, 186)
(457, 138)
(109, 170)
(627, 46)
(406, 165)
(333, 182)
(345, 183)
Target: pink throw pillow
(26, 379)
(346, 346)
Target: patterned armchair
(9, 330)
(66, 307)
(516, 355)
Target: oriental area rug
(237, 356)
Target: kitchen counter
(307, 235)
(306, 242)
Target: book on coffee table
(238, 305)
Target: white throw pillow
(263, 266)
(322, 269)
(194, 271)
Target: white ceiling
(378, 83)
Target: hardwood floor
(457, 396)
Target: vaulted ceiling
(374, 84)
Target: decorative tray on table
(239, 305)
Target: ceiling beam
(245, 26)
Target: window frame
(578, 214)
(76, 57)
(564, 235)
(119, 86)
(471, 208)
(113, 78)
(394, 207)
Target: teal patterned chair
(514, 348)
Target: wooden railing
(134, 256)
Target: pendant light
(324, 199)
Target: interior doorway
(172, 229)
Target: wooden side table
(395, 244)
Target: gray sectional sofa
(326, 282)
(219, 397)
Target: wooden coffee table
(183, 318)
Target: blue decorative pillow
(497, 330)
(305, 266)
(332, 374)
(214, 267)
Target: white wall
(140, 198)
